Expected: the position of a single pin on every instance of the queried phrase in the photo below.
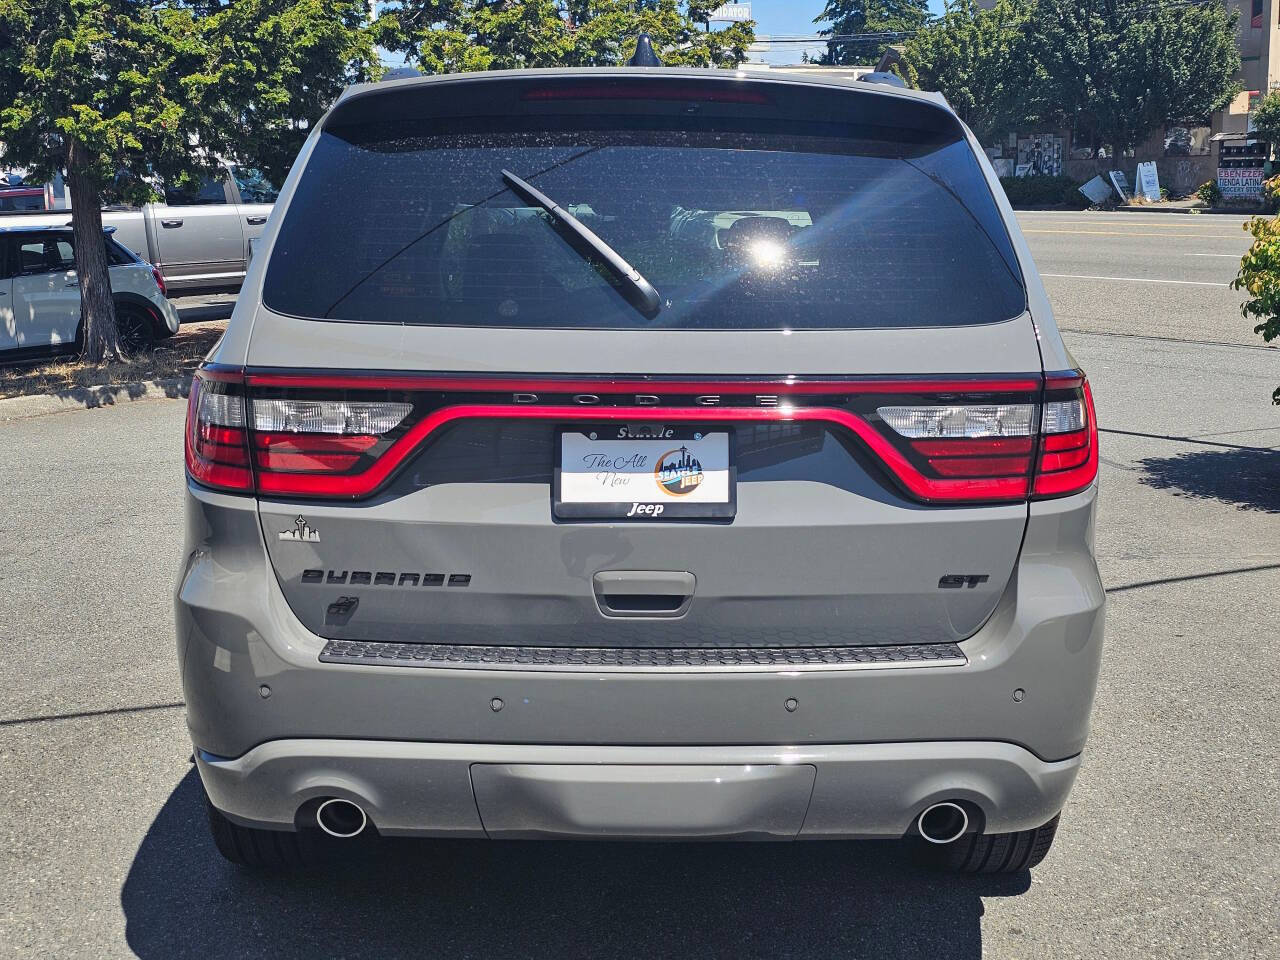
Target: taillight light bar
(345, 436)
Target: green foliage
(1115, 70)
(113, 93)
(1271, 193)
(869, 17)
(1260, 277)
(1044, 191)
(1208, 192)
(449, 36)
(272, 69)
(1111, 70)
(977, 59)
(1266, 118)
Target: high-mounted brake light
(647, 92)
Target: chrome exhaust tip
(341, 818)
(943, 822)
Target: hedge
(1043, 191)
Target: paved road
(1169, 846)
(1159, 274)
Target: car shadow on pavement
(552, 899)
(1246, 478)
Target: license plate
(644, 472)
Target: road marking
(1131, 233)
(1231, 255)
(1080, 276)
(1163, 220)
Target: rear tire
(136, 329)
(997, 852)
(260, 849)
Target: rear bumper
(517, 791)
(1003, 726)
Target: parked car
(40, 294)
(198, 238)
(21, 197)
(755, 499)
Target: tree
(894, 17)
(273, 69)
(1266, 118)
(1116, 70)
(113, 93)
(88, 90)
(978, 60)
(445, 36)
(1260, 277)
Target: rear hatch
(465, 424)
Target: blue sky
(794, 17)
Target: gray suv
(640, 453)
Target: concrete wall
(1178, 175)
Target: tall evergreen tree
(879, 18)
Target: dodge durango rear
(640, 453)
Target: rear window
(797, 226)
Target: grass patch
(174, 357)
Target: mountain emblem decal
(303, 533)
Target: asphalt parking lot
(1169, 846)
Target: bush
(1260, 277)
(1044, 191)
(1209, 193)
(1271, 193)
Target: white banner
(732, 12)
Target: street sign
(1096, 190)
(1147, 181)
(731, 13)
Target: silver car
(640, 453)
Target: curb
(89, 398)
(1153, 208)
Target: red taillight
(344, 436)
(155, 272)
(979, 448)
(1068, 460)
(216, 443)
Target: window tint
(254, 187)
(210, 191)
(117, 254)
(34, 256)
(63, 256)
(21, 200)
(790, 227)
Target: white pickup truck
(199, 239)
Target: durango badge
(678, 472)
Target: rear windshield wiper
(640, 293)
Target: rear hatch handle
(644, 593)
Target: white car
(40, 294)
